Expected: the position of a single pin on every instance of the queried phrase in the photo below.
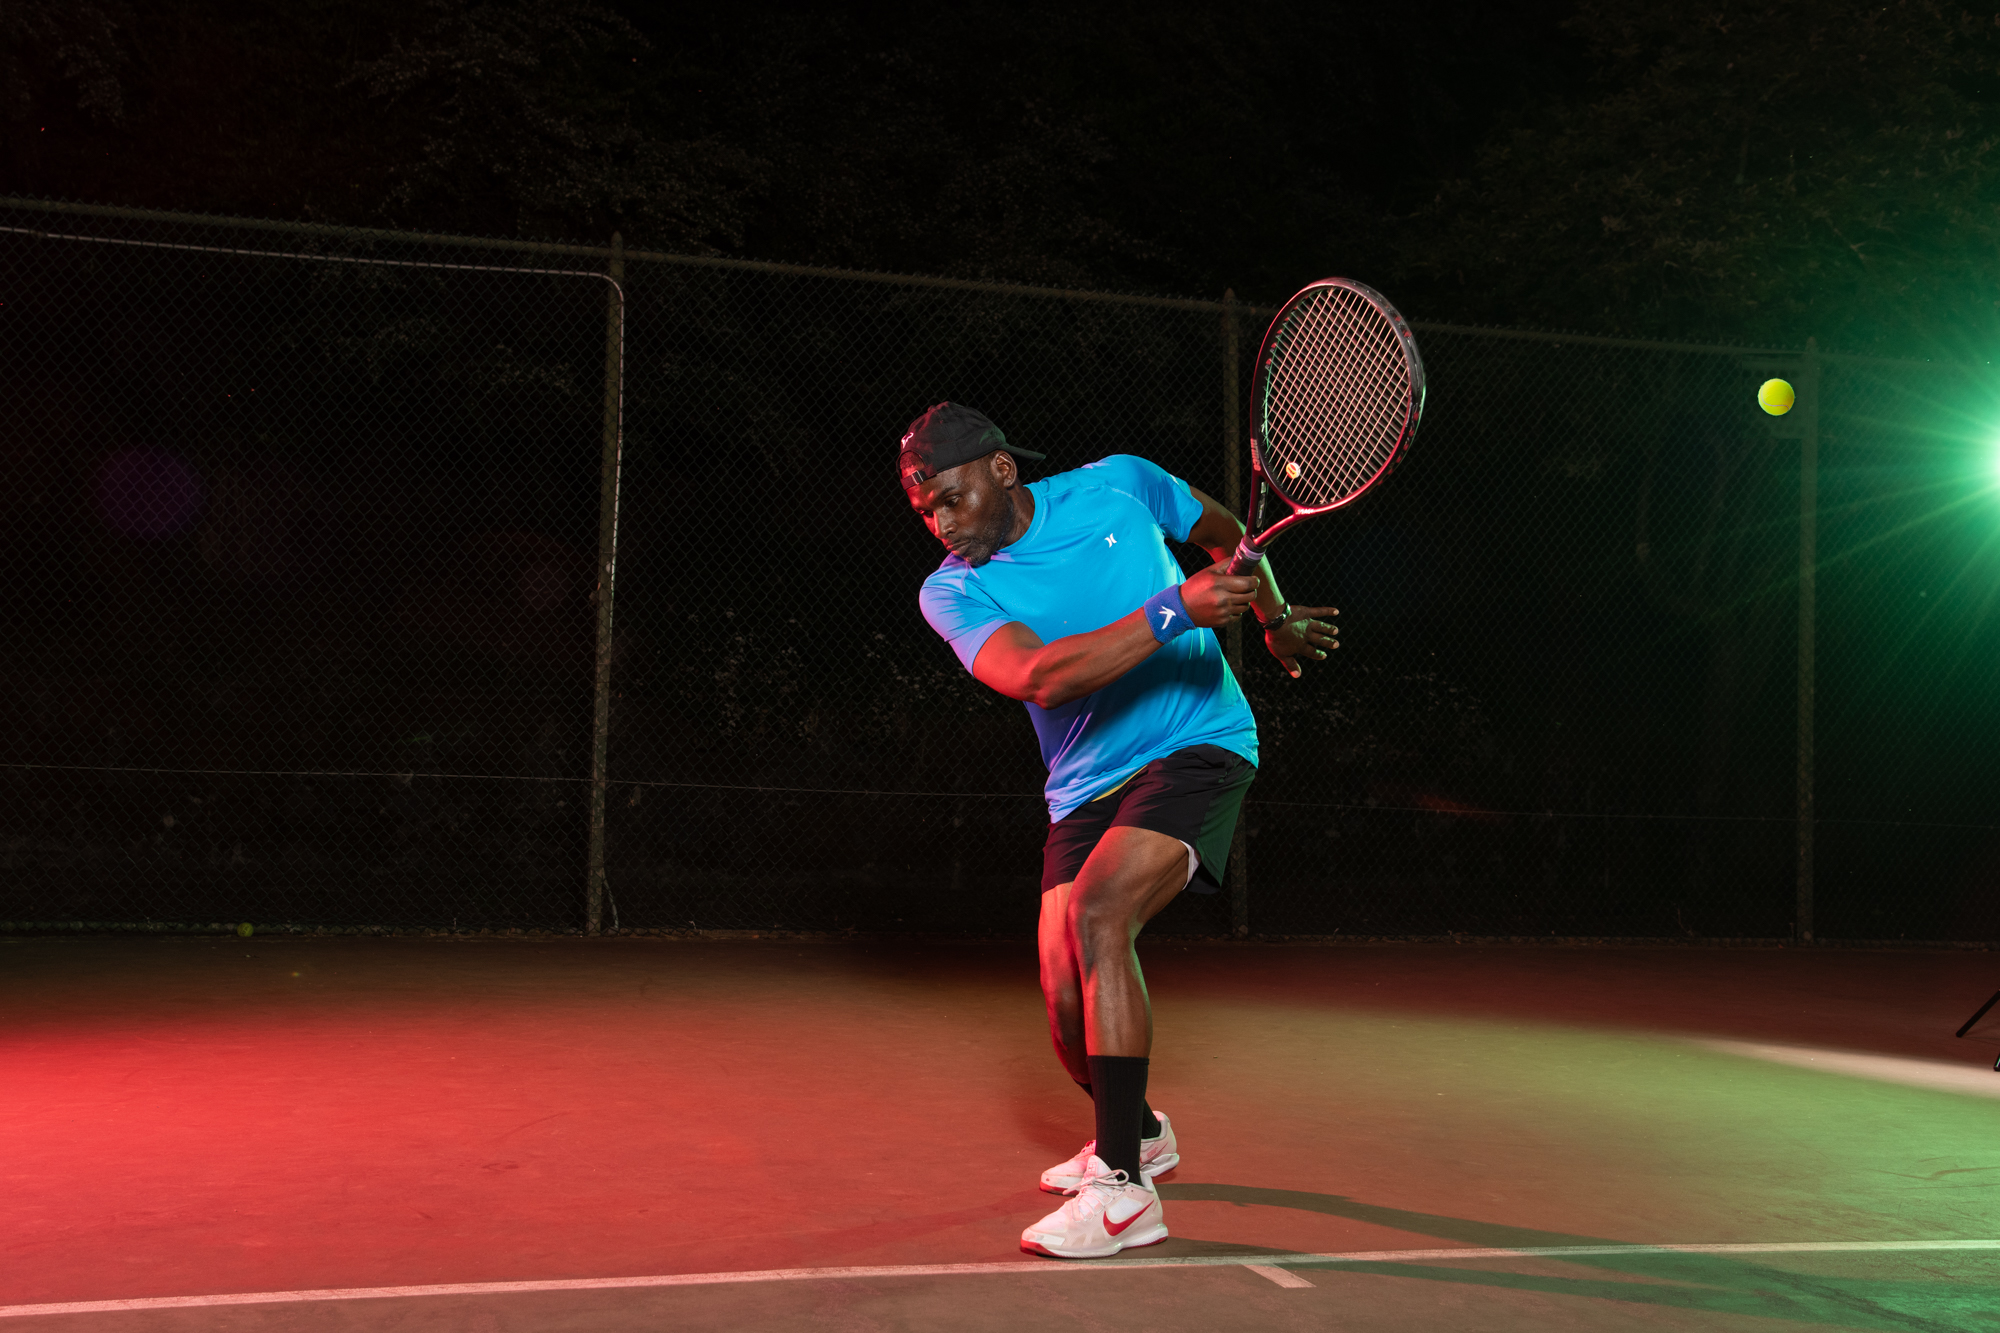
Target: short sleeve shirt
(1094, 552)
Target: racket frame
(1258, 537)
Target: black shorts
(1192, 794)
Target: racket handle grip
(1247, 558)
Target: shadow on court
(1701, 1283)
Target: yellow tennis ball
(244, 930)
(1776, 397)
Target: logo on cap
(946, 436)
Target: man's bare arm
(1017, 663)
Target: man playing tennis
(1062, 593)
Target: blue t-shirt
(1093, 554)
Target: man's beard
(979, 548)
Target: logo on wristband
(1171, 612)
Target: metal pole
(1232, 444)
(607, 575)
(1232, 499)
(1808, 606)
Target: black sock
(1149, 1121)
(1119, 1083)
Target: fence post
(607, 576)
(1232, 499)
(1808, 606)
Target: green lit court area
(633, 1134)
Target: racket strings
(1338, 398)
(1339, 409)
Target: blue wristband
(1166, 615)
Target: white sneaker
(1108, 1214)
(1156, 1157)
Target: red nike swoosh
(1118, 1228)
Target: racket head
(1339, 393)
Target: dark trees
(507, 118)
(1760, 170)
(1161, 145)
(1769, 170)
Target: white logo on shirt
(1111, 539)
(1166, 615)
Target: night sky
(1731, 170)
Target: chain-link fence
(305, 530)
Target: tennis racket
(1338, 394)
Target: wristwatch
(1277, 621)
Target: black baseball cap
(944, 437)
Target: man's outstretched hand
(1215, 598)
(1305, 633)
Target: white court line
(1939, 1075)
(1284, 1277)
(957, 1270)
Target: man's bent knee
(1103, 923)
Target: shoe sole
(1152, 1235)
(1157, 1169)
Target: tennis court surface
(616, 1134)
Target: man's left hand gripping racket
(1338, 394)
